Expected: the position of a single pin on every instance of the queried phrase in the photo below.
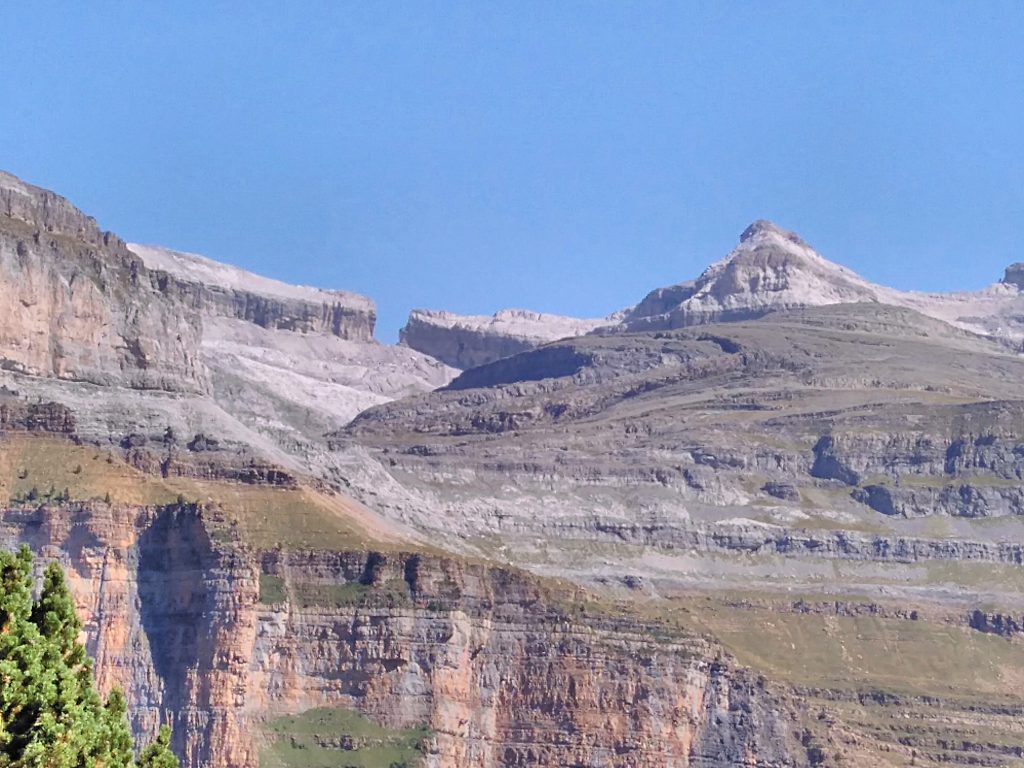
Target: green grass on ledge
(333, 737)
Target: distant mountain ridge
(771, 270)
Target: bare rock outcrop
(466, 341)
(216, 289)
(1015, 275)
(771, 269)
(76, 304)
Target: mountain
(770, 270)
(770, 517)
(290, 361)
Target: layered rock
(466, 341)
(18, 415)
(485, 658)
(1014, 275)
(103, 328)
(216, 289)
(816, 434)
(76, 304)
(771, 269)
(291, 361)
(842, 450)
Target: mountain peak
(762, 229)
(771, 269)
(1015, 275)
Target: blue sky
(559, 156)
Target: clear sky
(559, 156)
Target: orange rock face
(485, 657)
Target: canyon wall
(499, 667)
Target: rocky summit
(771, 516)
(771, 269)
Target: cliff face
(75, 304)
(290, 361)
(267, 366)
(466, 341)
(501, 674)
(501, 671)
(221, 290)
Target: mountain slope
(771, 269)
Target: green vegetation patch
(272, 589)
(36, 470)
(334, 737)
(909, 657)
(391, 594)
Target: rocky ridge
(466, 341)
(771, 270)
(220, 290)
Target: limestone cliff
(466, 341)
(76, 304)
(500, 670)
(216, 289)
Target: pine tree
(116, 736)
(50, 713)
(23, 685)
(158, 754)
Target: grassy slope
(295, 742)
(265, 516)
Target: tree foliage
(51, 716)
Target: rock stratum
(466, 341)
(770, 517)
(220, 290)
(78, 305)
